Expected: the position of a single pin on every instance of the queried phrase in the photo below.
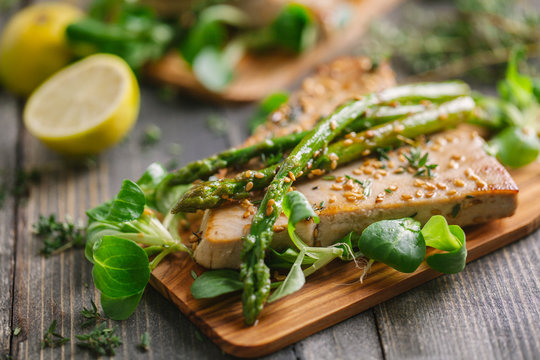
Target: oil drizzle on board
(333, 294)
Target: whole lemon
(33, 45)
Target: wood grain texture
(257, 76)
(9, 111)
(9, 115)
(333, 294)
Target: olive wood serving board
(334, 293)
(257, 76)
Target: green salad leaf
(285, 259)
(297, 208)
(515, 146)
(126, 206)
(150, 179)
(213, 69)
(515, 87)
(396, 243)
(450, 238)
(216, 282)
(131, 31)
(294, 29)
(293, 282)
(121, 272)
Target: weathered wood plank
(8, 144)
(9, 112)
(489, 311)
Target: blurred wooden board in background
(334, 293)
(257, 76)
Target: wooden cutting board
(258, 76)
(332, 294)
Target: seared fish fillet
(467, 187)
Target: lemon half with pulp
(86, 107)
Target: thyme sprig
(53, 339)
(58, 236)
(101, 340)
(91, 315)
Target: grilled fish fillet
(467, 187)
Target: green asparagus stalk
(202, 169)
(212, 194)
(253, 271)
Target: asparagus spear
(253, 271)
(211, 194)
(202, 169)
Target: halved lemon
(86, 107)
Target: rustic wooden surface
(489, 311)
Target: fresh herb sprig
(101, 340)
(57, 235)
(53, 339)
(419, 162)
(92, 315)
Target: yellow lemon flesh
(86, 107)
(33, 45)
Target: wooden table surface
(489, 311)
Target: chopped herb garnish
(382, 153)
(58, 236)
(198, 335)
(151, 136)
(16, 331)
(92, 315)
(100, 341)
(420, 162)
(52, 338)
(329, 177)
(145, 342)
(470, 196)
(315, 188)
(388, 191)
(455, 210)
(194, 275)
